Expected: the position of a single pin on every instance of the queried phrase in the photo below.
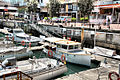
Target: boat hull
(77, 59)
(17, 55)
(50, 73)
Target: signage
(6, 10)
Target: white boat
(19, 52)
(39, 69)
(24, 39)
(67, 50)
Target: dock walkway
(100, 73)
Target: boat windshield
(73, 47)
(64, 46)
(76, 46)
(58, 45)
(18, 31)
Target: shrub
(73, 19)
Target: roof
(61, 41)
(109, 6)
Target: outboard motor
(9, 62)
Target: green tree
(32, 6)
(85, 7)
(54, 8)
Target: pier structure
(100, 73)
(104, 38)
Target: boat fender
(30, 45)
(50, 55)
(23, 43)
(13, 38)
(113, 73)
(63, 58)
(7, 38)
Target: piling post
(119, 69)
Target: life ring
(23, 43)
(63, 58)
(114, 74)
(50, 55)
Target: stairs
(41, 30)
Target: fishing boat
(39, 69)
(67, 50)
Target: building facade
(69, 8)
(108, 7)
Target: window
(74, 7)
(41, 1)
(70, 46)
(76, 46)
(64, 46)
(58, 45)
(69, 6)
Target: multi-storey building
(69, 8)
(43, 7)
(108, 8)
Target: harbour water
(72, 68)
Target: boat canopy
(61, 41)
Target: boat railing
(67, 52)
(18, 75)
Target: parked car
(65, 18)
(55, 19)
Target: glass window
(69, 6)
(64, 46)
(76, 46)
(74, 7)
(70, 46)
(58, 45)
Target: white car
(65, 18)
(55, 19)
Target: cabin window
(76, 46)
(64, 46)
(58, 45)
(70, 46)
(18, 31)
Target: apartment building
(69, 8)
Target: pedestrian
(108, 23)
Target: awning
(109, 6)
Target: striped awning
(109, 6)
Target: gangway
(41, 30)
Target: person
(108, 22)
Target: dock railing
(16, 76)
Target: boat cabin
(63, 43)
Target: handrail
(41, 30)
(17, 73)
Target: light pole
(97, 25)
